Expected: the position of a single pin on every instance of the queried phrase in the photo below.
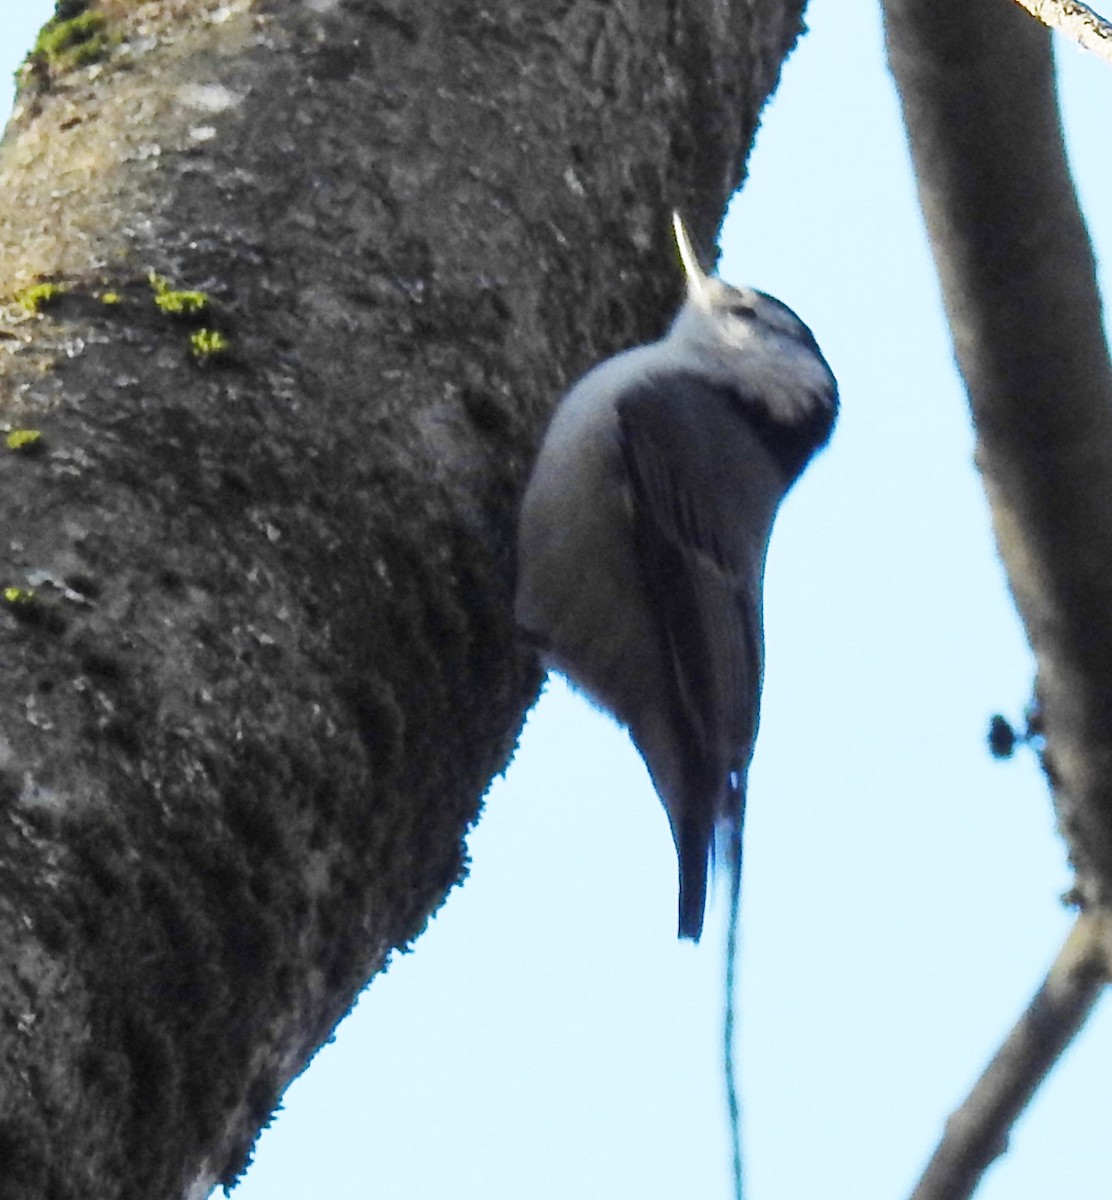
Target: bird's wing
(704, 491)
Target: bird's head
(751, 341)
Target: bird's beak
(693, 273)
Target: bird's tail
(693, 851)
(701, 827)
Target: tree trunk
(316, 273)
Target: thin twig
(733, 1098)
(1077, 21)
(977, 1133)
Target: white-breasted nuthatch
(642, 541)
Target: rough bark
(255, 627)
(977, 86)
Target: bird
(642, 539)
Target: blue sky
(548, 1037)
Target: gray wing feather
(704, 492)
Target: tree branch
(977, 86)
(1077, 21)
(977, 1133)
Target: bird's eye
(742, 311)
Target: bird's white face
(731, 327)
(740, 316)
(741, 332)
